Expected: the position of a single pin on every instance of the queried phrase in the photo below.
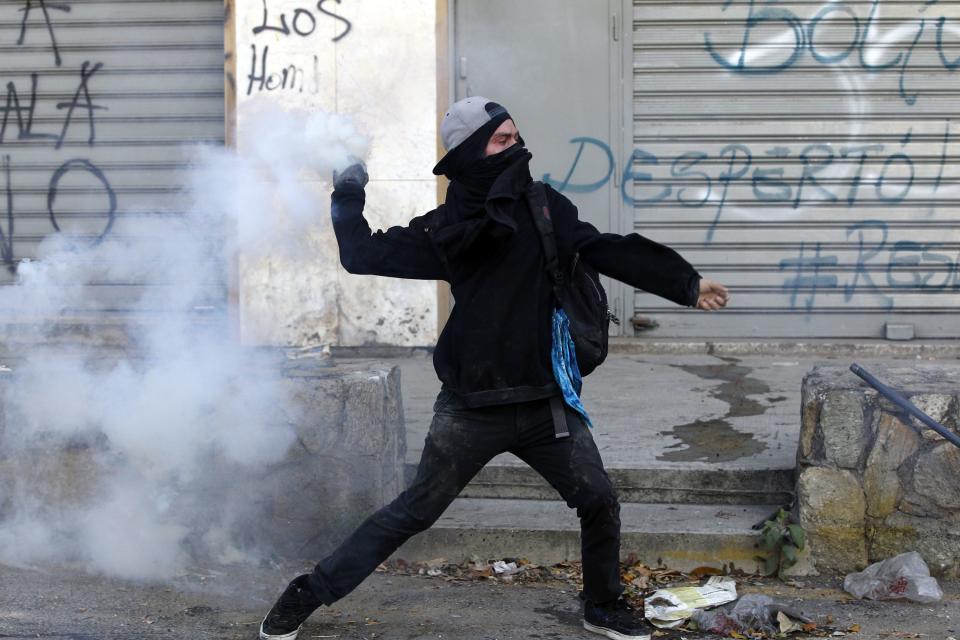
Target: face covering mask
(481, 173)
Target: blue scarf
(565, 368)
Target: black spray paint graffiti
(300, 23)
(20, 110)
(81, 164)
(303, 21)
(86, 71)
(6, 239)
(24, 111)
(290, 77)
(45, 8)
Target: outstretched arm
(399, 252)
(640, 262)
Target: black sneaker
(617, 620)
(294, 606)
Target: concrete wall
(871, 486)
(347, 459)
(375, 61)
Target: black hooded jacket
(496, 346)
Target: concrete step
(680, 536)
(653, 486)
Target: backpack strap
(537, 200)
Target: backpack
(580, 295)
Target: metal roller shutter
(804, 154)
(99, 98)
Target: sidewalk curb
(934, 349)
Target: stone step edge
(490, 529)
(719, 487)
(516, 473)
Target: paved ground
(228, 605)
(687, 411)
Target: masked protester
(496, 357)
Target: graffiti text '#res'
(804, 38)
(906, 265)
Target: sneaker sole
(287, 636)
(610, 633)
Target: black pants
(460, 442)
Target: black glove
(355, 174)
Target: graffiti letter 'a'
(45, 9)
(86, 72)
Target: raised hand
(356, 174)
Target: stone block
(937, 540)
(811, 402)
(842, 425)
(348, 460)
(54, 478)
(895, 443)
(939, 406)
(936, 476)
(833, 511)
(936, 405)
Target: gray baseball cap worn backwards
(465, 118)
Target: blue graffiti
(812, 28)
(905, 264)
(688, 181)
(863, 43)
(810, 169)
(865, 253)
(565, 184)
(727, 177)
(681, 168)
(807, 275)
(649, 180)
(804, 39)
(910, 100)
(950, 65)
(767, 14)
(631, 177)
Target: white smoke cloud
(157, 430)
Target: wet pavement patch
(716, 440)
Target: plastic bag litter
(668, 608)
(755, 612)
(506, 568)
(905, 576)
